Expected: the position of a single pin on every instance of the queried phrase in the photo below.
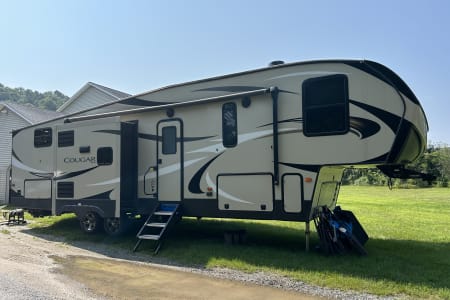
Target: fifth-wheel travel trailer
(270, 143)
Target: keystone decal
(76, 160)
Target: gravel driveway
(27, 269)
(44, 267)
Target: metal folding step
(149, 237)
(156, 225)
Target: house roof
(112, 92)
(115, 94)
(30, 113)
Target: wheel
(112, 226)
(90, 222)
(116, 226)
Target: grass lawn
(409, 246)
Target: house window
(65, 138)
(229, 125)
(325, 105)
(104, 156)
(169, 140)
(43, 137)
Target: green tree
(46, 100)
(435, 161)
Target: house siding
(9, 121)
(90, 98)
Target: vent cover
(65, 138)
(65, 189)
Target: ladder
(156, 225)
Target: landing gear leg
(307, 236)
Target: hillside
(47, 100)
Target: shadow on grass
(274, 246)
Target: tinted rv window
(65, 138)
(104, 156)
(169, 140)
(229, 124)
(65, 189)
(325, 105)
(42, 137)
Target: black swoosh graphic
(194, 184)
(43, 175)
(193, 139)
(153, 137)
(111, 131)
(101, 196)
(238, 89)
(231, 88)
(311, 168)
(15, 156)
(293, 120)
(73, 174)
(316, 168)
(288, 92)
(384, 74)
(141, 102)
(365, 127)
(388, 118)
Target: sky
(137, 46)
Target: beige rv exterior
(264, 144)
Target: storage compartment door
(245, 192)
(38, 189)
(292, 193)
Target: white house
(89, 96)
(14, 116)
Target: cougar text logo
(82, 159)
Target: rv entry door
(170, 160)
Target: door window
(169, 140)
(229, 125)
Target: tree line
(435, 161)
(47, 100)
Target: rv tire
(90, 222)
(116, 226)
